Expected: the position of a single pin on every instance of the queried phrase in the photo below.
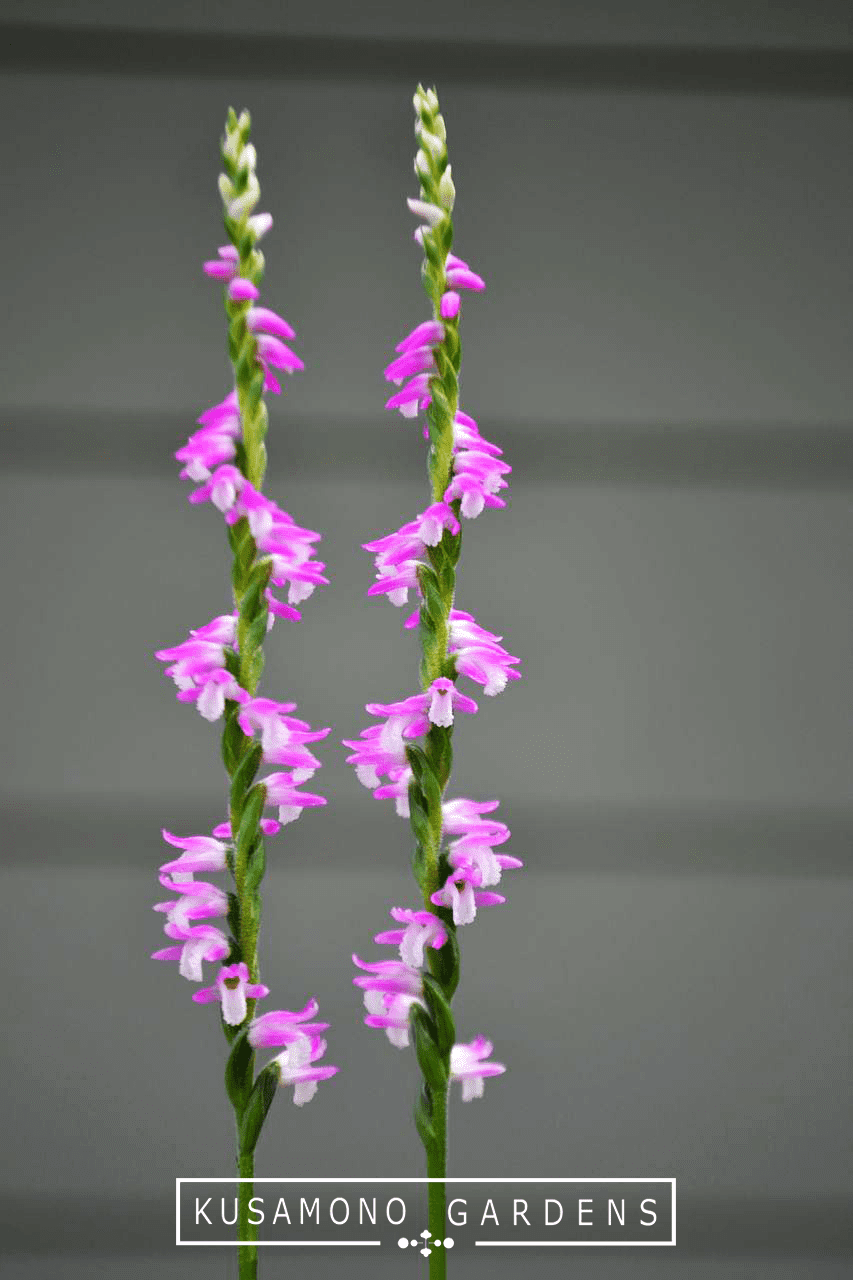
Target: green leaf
(418, 816)
(417, 761)
(238, 1072)
(232, 737)
(251, 818)
(244, 775)
(419, 865)
(446, 961)
(257, 631)
(257, 1106)
(430, 1058)
(445, 1028)
(257, 866)
(439, 751)
(423, 1118)
(233, 918)
(252, 598)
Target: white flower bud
(259, 224)
(431, 213)
(440, 128)
(432, 143)
(248, 158)
(246, 201)
(231, 146)
(431, 99)
(226, 188)
(422, 163)
(446, 190)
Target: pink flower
(268, 826)
(211, 694)
(460, 894)
(283, 737)
(450, 303)
(397, 789)
(444, 699)
(466, 435)
(426, 334)
(460, 276)
(477, 851)
(280, 610)
(221, 488)
(221, 630)
(415, 361)
(469, 1065)
(197, 900)
(390, 989)
(196, 943)
(232, 989)
(213, 444)
(431, 523)
(380, 749)
(240, 290)
(282, 790)
(420, 929)
(275, 353)
(281, 1027)
(261, 319)
(295, 1066)
(479, 655)
(201, 853)
(397, 582)
(477, 478)
(225, 266)
(463, 817)
(193, 661)
(413, 396)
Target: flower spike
(405, 754)
(218, 668)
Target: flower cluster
(218, 667)
(198, 943)
(405, 754)
(202, 668)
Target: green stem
(433, 1029)
(247, 1253)
(437, 1193)
(240, 752)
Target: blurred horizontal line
(576, 839)
(692, 454)
(709, 1226)
(189, 55)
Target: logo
(391, 1213)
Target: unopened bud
(433, 144)
(248, 158)
(446, 190)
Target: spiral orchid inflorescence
(218, 667)
(406, 754)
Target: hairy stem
(434, 1033)
(437, 1168)
(247, 1253)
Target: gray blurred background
(659, 196)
